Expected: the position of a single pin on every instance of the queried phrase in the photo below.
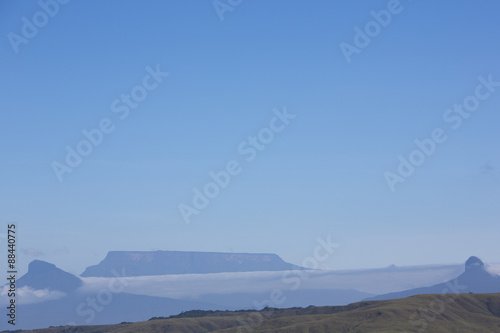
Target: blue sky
(322, 175)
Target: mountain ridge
(475, 279)
(479, 313)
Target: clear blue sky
(323, 174)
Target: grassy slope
(463, 313)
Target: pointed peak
(473, 263)
(42, 275)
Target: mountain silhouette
(475, 279)
(121, 307)
(137, 263)
(74, 306)
(42, 275)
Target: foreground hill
(137, 263)
(459, 313)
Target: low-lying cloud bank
(189, 286)
(27, 295)
(192, 286)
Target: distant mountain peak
(473, 263)
(44, 275)
(475, 279)
(37, 266)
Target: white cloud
(493, 268)
(193, 285)
(62, 250)
(27, 295)
(32, 252)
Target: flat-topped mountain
(137, 263)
